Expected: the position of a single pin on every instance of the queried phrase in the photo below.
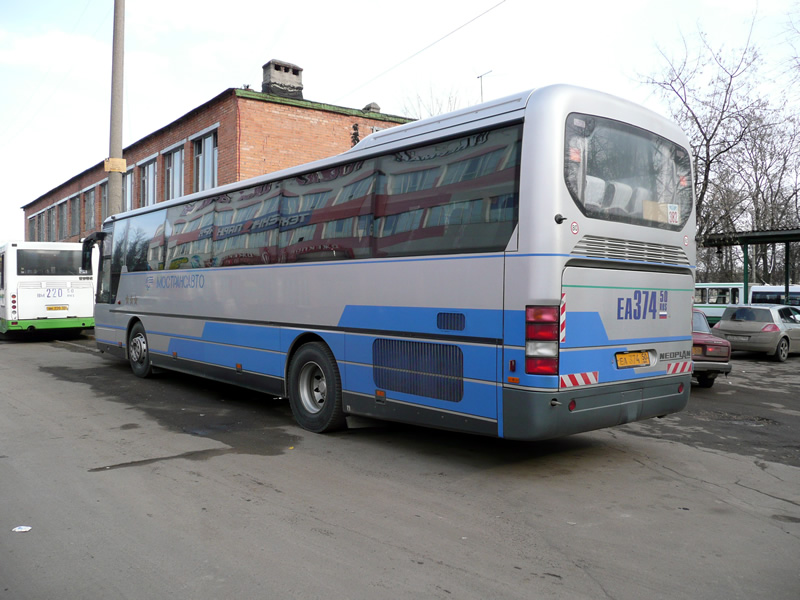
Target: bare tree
(435, 103)
(793, 33)
(713, 97)
(766, 164)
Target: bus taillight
(541, 340)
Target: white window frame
(127, 190)
(148, 176)
(173, 171)
(205, 146)
(103, 200)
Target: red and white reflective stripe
(679, 367)
(578, 379)
(563, 324)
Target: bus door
(615, 332)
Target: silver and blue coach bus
(523, 268)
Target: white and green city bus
(714, 298)
(523, 268)
(44, 287)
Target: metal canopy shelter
(744, 239)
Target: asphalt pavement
(177, 487)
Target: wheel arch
(300, 341)
(133, 321)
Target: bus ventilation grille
(419, 368)
(629, 250)
(451, 321)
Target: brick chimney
(282, 79)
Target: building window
(147, 184)
(41, 230)
(205, 162)
(173, 174)
(103, 201)
(75, 216)
(62, 220)
(127, 190)
(32, 229)
(51, 225)
(88, 211)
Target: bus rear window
(618, 172)
(49, 262)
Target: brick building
(239, 134)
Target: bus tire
(782, 351)
(138, 351)
(315, 389)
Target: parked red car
(710, 355)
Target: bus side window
(719, 295)
(735, 296)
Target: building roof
(353, 112)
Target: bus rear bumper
(74, 323)
(538, 415)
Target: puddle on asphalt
(247, 422)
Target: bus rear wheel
(315, 389)
(138, 352)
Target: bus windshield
(49, 262)
(618, 172)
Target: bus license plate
(626, 360)
(59, 307)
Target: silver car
(774, 329)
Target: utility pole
(115, 164)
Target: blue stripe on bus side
(252, 336)
(253, 360)
(259, 349)
(478, 323)
(263, 349)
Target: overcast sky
(55, 61)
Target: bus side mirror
(86, 258)
(88, 243)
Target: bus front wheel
(138, 353)
(315, 389)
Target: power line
(418, 52)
